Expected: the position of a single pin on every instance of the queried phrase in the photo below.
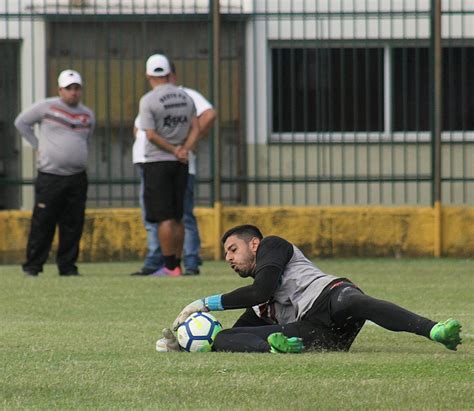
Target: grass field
(88, 343)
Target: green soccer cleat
(447, 333)
(280, 343)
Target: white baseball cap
(68, 77)
(158, 66)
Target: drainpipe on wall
(436, 117)
(216, 27)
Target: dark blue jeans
(192, 241)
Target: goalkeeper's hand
(168, 343)
(194, 307)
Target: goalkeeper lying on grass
(292, 305)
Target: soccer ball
(197, 333)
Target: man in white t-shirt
(206, 115)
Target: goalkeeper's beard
(247, 268)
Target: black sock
(170, 261)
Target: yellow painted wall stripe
(437, 229)
(118, 234)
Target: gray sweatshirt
(65, 132)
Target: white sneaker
(168, 343)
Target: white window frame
(362, 137)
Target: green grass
(88, 343)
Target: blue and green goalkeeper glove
(211, 303)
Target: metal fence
(320, 102)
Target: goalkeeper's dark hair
(245, 232)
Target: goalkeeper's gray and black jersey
(286, 284)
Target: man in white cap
(206, 115)
(65, 129)
(168, 116)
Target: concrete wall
(353, 161)
(118, 235)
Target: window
(411, 89)
(340, 90)
(327, 89)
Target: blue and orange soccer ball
(197, 333)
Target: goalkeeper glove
(168, 343)
(211, 303)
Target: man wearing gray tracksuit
(66, 127)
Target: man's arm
(259, 292)
(26, 120)
(191, 141)
(91, 132)
(193, 135)
(161, 142)
(206, 121)
(273, 255)
(205, 113)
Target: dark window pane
(458, 88)
(411, 89)
(411, 98)
(327, 89)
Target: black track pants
(331, 325)
(349, 302)
(250, 333)
(59, 200)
